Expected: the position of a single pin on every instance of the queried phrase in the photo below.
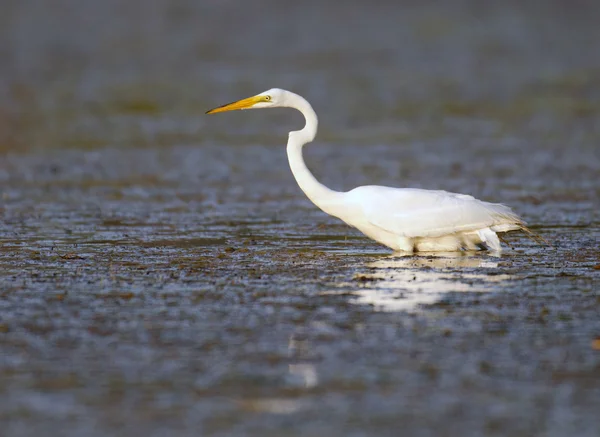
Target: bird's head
(269, 99)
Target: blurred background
(517, 81)
(86, 74)
(164, 275)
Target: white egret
(404, 219)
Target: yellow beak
(240, 104)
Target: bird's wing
(423, 213)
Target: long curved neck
(318, 193)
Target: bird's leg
(535, 237)
(406, 244)
(505, 241)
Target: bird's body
(404, 219)
(414, 220)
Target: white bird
(404, 219)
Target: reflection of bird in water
(404, 219)
(302, 373)
(302, 368)
(401, 283)
(436, 260)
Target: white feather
(423, 213)
(410, 219)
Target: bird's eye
(267, 98)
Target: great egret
(404, 219)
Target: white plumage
(423, 220)
(404, 219)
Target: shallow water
(162, 274)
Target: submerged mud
(162, 274)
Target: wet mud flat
(162, 274)
(133, 304)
